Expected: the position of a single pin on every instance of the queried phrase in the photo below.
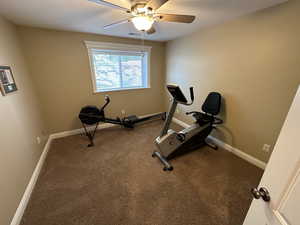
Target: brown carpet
(119, 183)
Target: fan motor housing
(139, 8)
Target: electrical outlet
(38, 140)
(266, 148)
(123, 112)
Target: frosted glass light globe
(142, 23)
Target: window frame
(114, 47)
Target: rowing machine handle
(107, 99)
(192, 93)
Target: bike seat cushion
(212, 103)
(203, 119)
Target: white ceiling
(85, 16)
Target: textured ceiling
(85, 16)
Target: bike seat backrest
(212, 103)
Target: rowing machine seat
(90, 115)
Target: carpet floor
(117, 182)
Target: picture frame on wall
(7, 81)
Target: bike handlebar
(192, 97)
(192, 93)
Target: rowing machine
(92, 116)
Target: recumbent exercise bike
(171, 143)
(92, 115)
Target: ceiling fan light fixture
(142, 23)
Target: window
(118, 67)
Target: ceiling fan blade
(151, 31)
(155, 4)
(110, 4)
(175, 18)
(116, 23)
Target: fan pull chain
(143, 41)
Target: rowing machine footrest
(129, 121)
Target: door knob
(261, 193)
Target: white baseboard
(28, 191)
(81, 130)
(229, 148)
(239, 153)
(180, 122)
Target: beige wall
(254, 62)
(20, 125)
(60, 68)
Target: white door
(281, 177)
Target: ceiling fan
(144, 14)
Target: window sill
(119, 90)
